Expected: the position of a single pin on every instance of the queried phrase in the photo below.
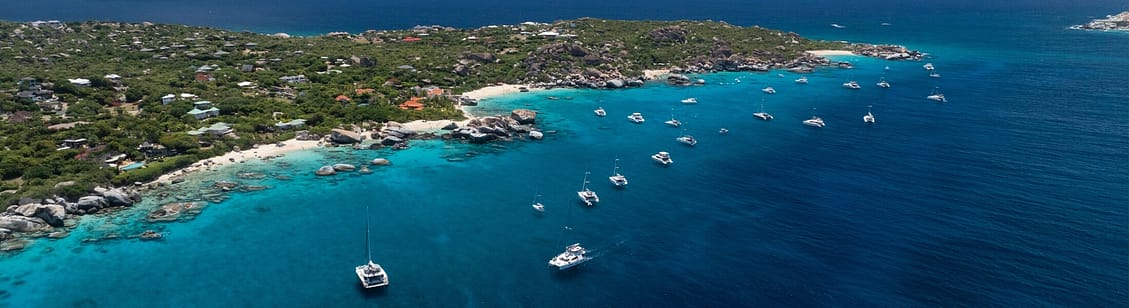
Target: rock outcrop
(18, 223)
(524, 116)
(52, 214)
(342, 136)
(325, 170)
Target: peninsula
(108, 104)
(1119, 22)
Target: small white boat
(768, 90)
(537, 206)
(573, 255)
(587, 196)
(617, 179)
(883, 84)
(662, 158)
(600, 112)
(837, 26)
(884, 24)
(937, 96)
(851, 85)
(687, 140)
(928, 66)
(636, 118)
(673, 122)
(690, 100)
(935, 74)
(814, 122)
(869, 117)
(762, 115)
(780, 75)
(802, 80)
(723, 131)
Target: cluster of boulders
(335, 168)
(888, 52)
(395, 136)
(486, 129)
(31, 215)
(570, 64)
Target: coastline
(478, 95)
(234, 157)
(831, 52)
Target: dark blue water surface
(1014, 193)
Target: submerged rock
(344, 167)
(325, 170)
(380, 161)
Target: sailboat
(617, 179)
(537, 206)
(815, 121)
(673, 122)
(936, 95)
(934, 74)
(687, 139)
(883, 84)
(869, 117)
(762, 115)
(372, 275)
(802, 80)
(587, 196)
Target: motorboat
(814, 122)
(768, 90)
(537, 206)
(617, 179)
(662, 158)
(851, 85)
(869, 117)
(600, 112)
(883, 84)
(690, 100)
(802, 80)
(928, 66)
(372, 275)
(573, 255)
(687, 140)
(935, 74)
(587, 196)
(762, 115)
(723, 131)
(636, 118)
(837, 26)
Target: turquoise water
(1011, 194)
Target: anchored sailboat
(372, 275)
(586, 195)
(617, 179)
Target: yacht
(617, 179)
(662, 158)
(636, 118)
(687, 140)
(869, 117)
(600, 112)
(587, 196)
(537, 206)
(673, 122)
(883, 84)
(768, 90)
(573, 255)
(762, 115)
(372, 275)
(690, 100)
(851, 85)
(937, 96)
(814, 122)
(802, 80)
(723, 131)
(928, 66)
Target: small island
(1119, 22)
(92, 111)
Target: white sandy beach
(829, 52)
(655, 74)
(503, 89)
(233, 157)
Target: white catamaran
(372, 275)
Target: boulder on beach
(344, 136)
(391, 140)
(118, 197)
(614, 83)
(380, 161)
(524, 116)
(678, 79)
(450, 126)
(344, 167)
(325, 170)
(19, 223)
(53, 214)
(90, 204)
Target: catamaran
(690, 100)
(636, 118)
(869, 117)
(883, 84)
(762, 115)
(936, 95)
(851, 85)
(372, 275)
(802, 80)
(600, 112)
(662, 158)
(768, 90)
(587, 196)
(673, 122)
(537, 206)
(814, 121)
(928, 66)
(617, 179)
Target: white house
(204, 110)
(82, 82)
(165, 100)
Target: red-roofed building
(412, 104)
(342, 98)
(362, 91)
(411, 39)
(433, 92)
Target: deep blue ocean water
(1014, 193)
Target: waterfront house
(412, 104)
(203, 110)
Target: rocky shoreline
(1119, 22)
(55, 217)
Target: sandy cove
(829, 52)
(479, 94)
(233, 157)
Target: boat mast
(584, 185)
(615, 167)
(368, 250)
